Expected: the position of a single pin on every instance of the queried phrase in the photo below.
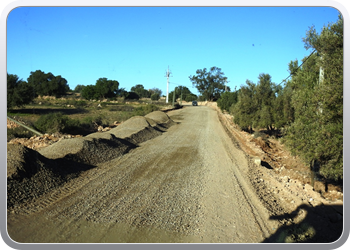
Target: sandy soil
(196, 181)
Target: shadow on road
(320, 224)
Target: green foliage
(121, 92)
(94, 121)
(155, 97)
(245, 109)
(264, 98)
(106, 88)
(182, 92)
(210, 84)
(318, 102)
(77, 103)
(191, 97)
(48, 84)
(227, 99)
(141, 91)
(55, 122)
(283, 114)
(19, 92)
(132, 96)
(89, 92)
(18, 132)
(103, 89)
(78, 88)
(155, 91)
(144, 110)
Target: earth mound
(30, 174)
(160, 118)
(137, 129)
(90, 150)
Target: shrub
(55, 123)
(155, 97)
(144, 110)
(92, 121)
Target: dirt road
(187, 185)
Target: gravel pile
(32, 173)
(87, 150)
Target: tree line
(308, 107)
(39, 83)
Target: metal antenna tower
(167, 75)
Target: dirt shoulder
(283, 184)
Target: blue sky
(135, 45)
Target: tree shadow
(307, 224)
(44, 111)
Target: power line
(298, 67)
(178, 84)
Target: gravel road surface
(190, 184)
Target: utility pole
(167, 75)
(226, 84)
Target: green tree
(19, 92)
(318, 102)
(78, 88)
(264, 96)
(209, 84)
(106, 88)
(155, 97)
(121, 92)
(191, 97)
(244, 111)
(132, 96)
(89, 92)
(283, 114)
(184, 93)
(155, 91)
(48, 84)
(140, 91)
(227, 99)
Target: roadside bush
(155, 97)
(93, 121)
(77, 103)
(55, 123)
(126, 108)
(144, 110)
